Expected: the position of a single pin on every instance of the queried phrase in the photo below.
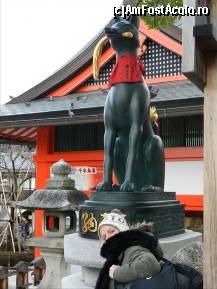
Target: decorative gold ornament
(96, 57)
(153, 114)
(89, 223)
(104, 215)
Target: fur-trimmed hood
(123, 240)
(114, 246)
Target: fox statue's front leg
(109, 144)
(134, 140)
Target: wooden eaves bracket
(206, 37)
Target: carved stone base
(53, 253)
(161, 208)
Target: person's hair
(145, 227)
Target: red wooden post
(21, 275)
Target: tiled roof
(175, 90)
(20, 121)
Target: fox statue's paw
(127, 187)
(115, 187)
(104, 186)
(151, 188)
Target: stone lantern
(59, 201)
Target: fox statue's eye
(127, 34)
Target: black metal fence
(82, 137)
(185, 131)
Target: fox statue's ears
(115, 20)
(134, 20)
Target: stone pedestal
(161, 208)
(86, 253)
(52, 251)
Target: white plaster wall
(184, 177)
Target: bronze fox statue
(131, 147)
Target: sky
(39, 36)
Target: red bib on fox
(128, 68)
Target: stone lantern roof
(60, 192)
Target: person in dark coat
(130, 253)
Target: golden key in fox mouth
(96, 56)
(98, 51)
